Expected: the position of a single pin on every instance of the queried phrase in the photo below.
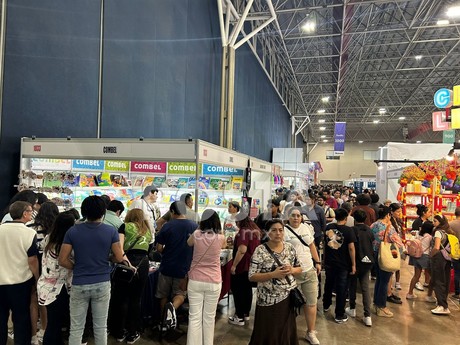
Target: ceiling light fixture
(418, 142)
(376, 121)
(360, 141)
(323, 136)
(401, 118)
(418, 57)
(442, 22)
(309, 26)
(453, 11)
(322, 128)
(382, 111)
(325, 99)
(321, 121)
(321, 111)
(325, 141)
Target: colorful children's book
(182, 182)
(148, 181)
(87, 180)
(138, 181)
(237, 183)
(103, 180)
(159, 182)
(203, 182)
(191, 182)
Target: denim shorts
(422, 262)
(308, 284)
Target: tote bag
(389, 257)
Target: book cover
(103, 180)
(147, 181)
(138, 181)
(237, 183)
(191, 182)
(182, 182)
(203, 182)
(159, 181)
(87, 180)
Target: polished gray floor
(413, 323)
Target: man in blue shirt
(176, 260)
(91, 243)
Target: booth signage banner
(209, 169)
(50, 164)
(149, 167)
(121, 166)
(87, 164)
(182, 168)
(339, 138)
(448, 137)
(439, 121)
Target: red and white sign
(439, 121)
(149, 167)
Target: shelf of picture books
(69, 182)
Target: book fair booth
(69, 170)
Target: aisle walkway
(413, 324)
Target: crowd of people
(57, 266)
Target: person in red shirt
(330, 200)
(246, 241)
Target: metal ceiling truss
(362, 55)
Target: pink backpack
(414, 248)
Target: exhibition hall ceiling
(374, 64)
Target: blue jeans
(381, 284)
(80, 297)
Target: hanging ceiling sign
(447, 100)
(339, 138)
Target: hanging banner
(87, 164)
(116, 166)
(339, 138)
(182, 168)
(448, 137)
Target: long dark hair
(46, 215)
(64, 221)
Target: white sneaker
(419, 286)
(350, 312)
(34, 340)
(440, 310)
(409, 296)
(430, 299)
(367, 321)
(311, 338)
(11, 334)
(246, 318)
(398, 286)
(235, 320)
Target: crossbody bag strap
(191, 268)
(278, 262)
(297, 235)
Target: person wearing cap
(146, 204)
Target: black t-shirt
(336, 241)
(417, 224)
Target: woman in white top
(310, 263)
(54, 283)
(423, 262)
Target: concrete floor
(413, 323)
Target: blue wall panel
(50, 82)
(261, 120)
(161, 69)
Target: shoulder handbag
(296, 298)
(389, 257)
(123, 272)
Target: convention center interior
(199, 172)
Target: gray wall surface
(161, 77)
